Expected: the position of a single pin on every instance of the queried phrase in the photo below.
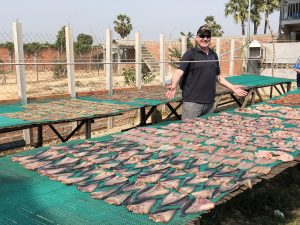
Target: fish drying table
(48, 113)
(29, 198)
(153, 96)
(252, 84)
(147, 97)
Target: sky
(151, 18)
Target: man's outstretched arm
(237, 89)
(175, 81)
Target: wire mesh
(45, 67)
(150, 66)
(8, 78)
(89, 57)
(173, 54)
(124, 52)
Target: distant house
(290, 19)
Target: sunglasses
(208, 36)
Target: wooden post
(20, 70)
(138, 61)
(70, 61)
(162, 58)
(231, 64)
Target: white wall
(285, 53)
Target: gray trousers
(191, 110)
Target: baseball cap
(202, 29)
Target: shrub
(59, 71)
(129, 75)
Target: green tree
(84, 43)
(216, 29)
(239, 10)
(123, 25)
(60, 42)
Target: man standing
(199, 78)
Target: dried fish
(174, 198)
(197, 205)
(162, 216)
(104, 193)
(153, 191)
(142, 207)
(118, 199)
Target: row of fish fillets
(280, 111)
(182, 168)
(287, 100)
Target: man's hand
(171, 92)
(238, 89)
(174, 83)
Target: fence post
(19, 58)
(169, 65)
(70, 61)
(162, 58)
(108, 61)
(231, 64)
(183, 44)
(138, 60)
(244, 63)
(20, 70)
(218, 46)
(108, 71)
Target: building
(290, 19)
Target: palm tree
(238, 9)
(267, 7)
(255, 14)
(123, 25)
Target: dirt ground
(43, 83)
(257, 205)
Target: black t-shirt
(200, 82)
